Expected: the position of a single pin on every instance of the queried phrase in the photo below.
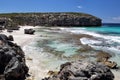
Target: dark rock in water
(9, 31)
(12, 60)
(82, 70)
(10, 38)
(4, 38)
(29, 31)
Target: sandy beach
(23, 40)
(19, 37)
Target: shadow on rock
(82, 70)
(12, 60)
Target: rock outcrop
(103, 57)
(82, 70)
(12, 60)
(8, 23)
(29, 31)
(54, 19)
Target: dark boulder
(3, 38)
(10, 38)
(12, 60)
(14, 70)
(82, 70)
(9, 30)
(29, 31)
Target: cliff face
(53, 19)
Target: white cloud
(79, 7)
(116, 18)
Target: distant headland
(49, 19)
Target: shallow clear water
(68, 49)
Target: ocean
(54, 46)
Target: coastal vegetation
(49, 19)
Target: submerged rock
(12, 60)
(82, 70)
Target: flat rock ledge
(12, 60)
(82, 70)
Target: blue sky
(107, 10)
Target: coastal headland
(49, 19)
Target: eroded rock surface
(82, 70)
(12, 60)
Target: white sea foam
(89, 41)
(104, 45)
(84, 31)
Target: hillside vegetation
(50, 19)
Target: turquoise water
(112, 30)
(68, 49)
(109, 34)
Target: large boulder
(12, 60)
(29, 31)
(5, 38)
(10, 38)
(83, 70)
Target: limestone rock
(53, 19)
(12, 60)
(82, 70)
(103, 57)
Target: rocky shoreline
(82, 70)
(12, 60)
